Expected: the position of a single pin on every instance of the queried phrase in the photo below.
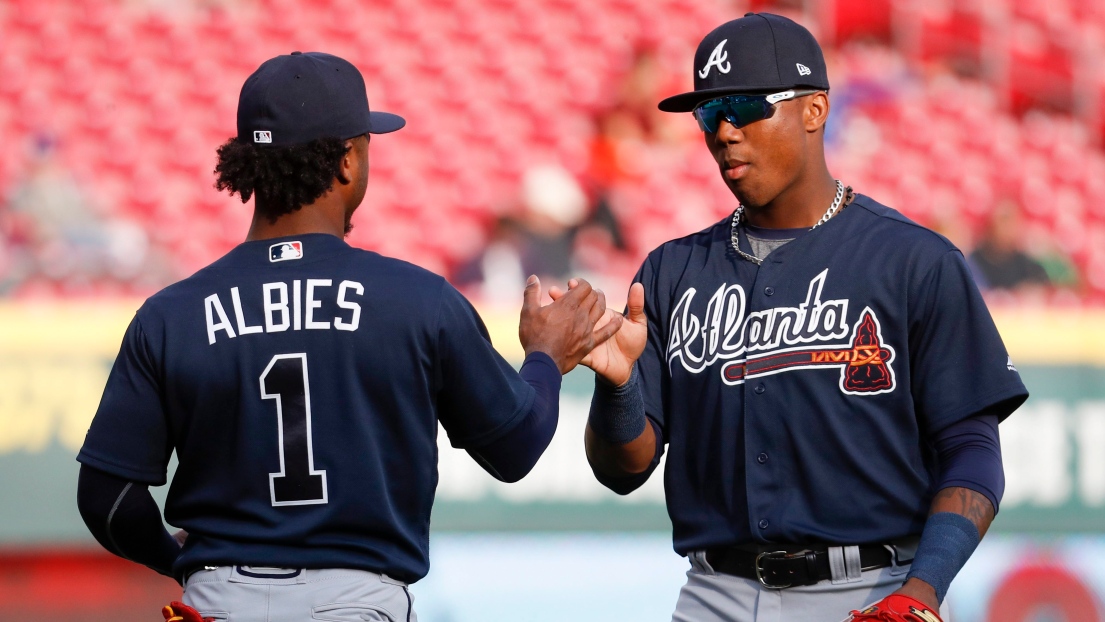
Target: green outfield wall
(54, 359)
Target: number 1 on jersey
(297, 483)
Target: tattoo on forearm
(966, 502)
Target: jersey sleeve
(651, 367)
(480, 396)
(129, 436)
(959, 365)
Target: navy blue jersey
(798, 399)
(301, 382)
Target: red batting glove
(896, 608)
(177, 611)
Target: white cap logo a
(262, 136)
(717, 59)
(803, 70)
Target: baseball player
(823, 372)
(301, 382)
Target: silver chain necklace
(739, 213)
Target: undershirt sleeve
(125, 520)
(970, 457)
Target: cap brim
(687, 102)
(384, 122)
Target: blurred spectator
(1060, 271)
(1000, 260)
(51, 234)
(539, 241)
(631, 136)
(899, 114)
(644, 85)
(953, 226)
(631, 124)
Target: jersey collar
(284, 252)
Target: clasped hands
(577, 327)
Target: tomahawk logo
(718, 58)
(864, 364)
(814, 335)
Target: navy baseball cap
(299, 97)
(758, 53)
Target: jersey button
(769, 290)
(762, 458)
(763, 523)
(760, 388)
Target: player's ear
(347, 169)
(817, 111)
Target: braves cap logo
(284, 251)
(262, 136)
(718, 58)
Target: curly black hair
(283, 178)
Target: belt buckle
(760, 571)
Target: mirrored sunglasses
(740, 110)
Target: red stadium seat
(1040, 70)
(490, 87)
(953, 37)
(859, 19)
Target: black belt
(781, 569)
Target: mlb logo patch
(285, 251)
(262, 136)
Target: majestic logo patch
(262, 136)
(1009, 365)
(285, 251)
(803, 70)
(717, 59)
(814, 335)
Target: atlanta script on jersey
(781, 339)
(301, 382)
(797, 395)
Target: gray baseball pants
(709, 596)
(252, 594)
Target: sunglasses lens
(738, 110)
(710, 114)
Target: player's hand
(920, 591)
(180, 537)
(566, 329)
(179, 612)
(896, 608)
(613, 359)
